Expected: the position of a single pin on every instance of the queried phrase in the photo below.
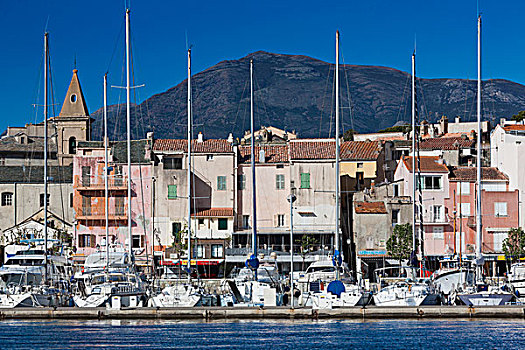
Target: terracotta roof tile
(446, 143)
(272, 153)
(312, 149)
(361, 150)
(207, 146)
(370, 208)
(428, 164)
(516, 127)
(469, 174)
(214, 212)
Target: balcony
(96, 183)
(99, 214)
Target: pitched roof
(214, 212)
(446, 143)
(206, 146)
(428, 164)
(469, 174)
(30, 145)
(272, 153)
(35, 174)
(312, 149)
(119, 150)
(370, 208)
(515, 127)
(361, 150)
(74, 104)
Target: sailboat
(118, 284)
(481, 293)
(412, 291)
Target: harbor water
(334, 334)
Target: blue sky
(373, 32)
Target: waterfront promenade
(216, 313)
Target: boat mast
(414, 133)
(128, 125)
(189, 163)
(336, 245)
(478, 163)
(252, 162)
(46, 58)
(106, 141)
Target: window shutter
(172, 191)
(275, 220)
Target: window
(138, 241)
(217, 251)
(395, 216)
(172, 191)
(494, 186)
(119, 206)
(396, 190)
(7, 199)
(42, 199)
(172, 163)
(221, 183)
(223, 224)
(359, 165)
(430, 182)
(437, 233)
(73, 98)
(280, 220)
(305, 180)
(200, 251)
(209, 157)
(71, 200)
(465, 209)
(500, 209)
(245, 221)
(200, 222)
(72, 145)
(463, 188)
(176, 227)
(437, 213)
(86, 206)
(279, 182)
(86, 241)
(86, 175)
(241, 182)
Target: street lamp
(291, 198)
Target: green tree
(307, 242)
(399, 245)
(518, 117)
(398, 128)
(514, 244)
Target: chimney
(472, 135)
(149, 135)
(502, 121)
(443, 123)
(458, 119)
(230, 138)
(200, 138)
(439, 160)
(424, 127)
(262, 156)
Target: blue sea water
(275, 335)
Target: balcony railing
(96, 182)
(90, 213)
(277, 249)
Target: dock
(275, 313)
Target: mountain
(295, 92)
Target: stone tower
(73, 124)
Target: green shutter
(172, 191)
(221, 183)
(305, 180)
(223, 224)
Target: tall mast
(189, 162)
(414, 133)
(128, 124)
(106, 141)
(336, 245)
(46, 58)
(252, 151)
(478, 159)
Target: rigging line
(261, 101)
(424, 107)
(239, 108)
(403, 104)
(466, 97)
(140, 123)
(332, 99)
(349, 97)
(324, 98)
(116, 45)
(36, 94)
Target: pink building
(88, 197)
(499, 211)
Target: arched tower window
(72, 145)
